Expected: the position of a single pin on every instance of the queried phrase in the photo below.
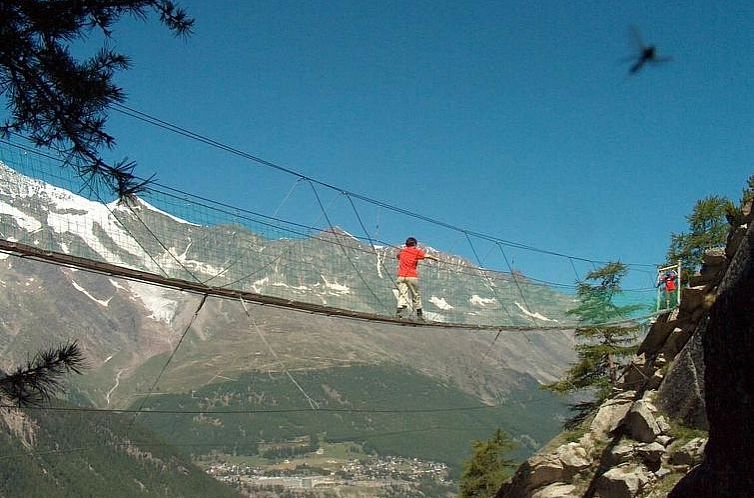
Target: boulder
(611, 414)
(538, 471)
(651, 454)
(676, 341)
(655, 380)
(689, 454)
(692, 298)
(707, 276)
(714, 257)
(662, 472)
(573, 457)
(656, 336)
(664, 440)
(620, 453)
(663, 424)
(640, 423)
(545, 469)
(588, 442)
(636, 373)
(681, 394)
(660, 360)
(624, 481)
(556, 490)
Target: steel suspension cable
(515, 281)
(371, 242)
(201, 138)
(343, 248)
(165, 365)
(313, 404)
(490, 286)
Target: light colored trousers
(408, 290)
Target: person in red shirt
(408, 277)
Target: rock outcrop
(728, 467)
(693, 372)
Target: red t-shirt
(408, 258)
(670, 284)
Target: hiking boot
(399, 312)
(419, 315)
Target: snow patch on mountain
(160, 211)
(117, 284)
(335, 286)
(293, 287)
(380, 260)
(162, 309)
(440, 303)
(434, 317)
(78, 216)
(256, 285)
(538, 316)
(75, 215)
(28, 223)
(482, 301)
(86, 293)
(169, 260)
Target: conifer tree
(488, 467)
(59, 101)
(707, 228)
(605, 339)
(747, 194)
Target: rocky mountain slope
(692, 374)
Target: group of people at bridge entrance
(668, 282)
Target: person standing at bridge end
(408, 277)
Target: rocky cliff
(680, 419)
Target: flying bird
(647, 54)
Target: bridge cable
(343, 248)
(578, 278)
(489, 284)
(165, 365)
(284, 252)
(389, 273)
(128, 111)
(515, 281)
(313, 404)
(235, 261)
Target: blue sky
(512, 118)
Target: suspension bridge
(175, 239)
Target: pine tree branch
(60, 102)
(40, 378)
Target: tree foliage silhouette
(603, 344)
(488, 467)
(59, 101)
(707, 228)
(40, 378)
